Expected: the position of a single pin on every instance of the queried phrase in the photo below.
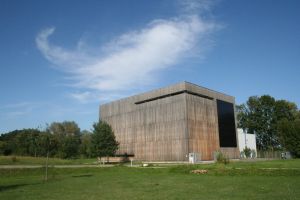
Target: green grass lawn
(238, 180)
(24, 160)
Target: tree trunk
(46, 172)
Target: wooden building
(169, 123)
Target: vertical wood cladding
(202, 123)
(166, 124)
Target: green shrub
(14, 159)
(247, 152)
(221, 158)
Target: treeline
(276, 123)
(60, 139)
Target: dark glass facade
(226, 119)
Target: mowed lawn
(26, 160)
(239, 180)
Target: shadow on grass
(15, 186)
(82, 175)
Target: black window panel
(173, 94)
(227, 131)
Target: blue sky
(59, 60)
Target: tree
(20, 142)
(257, 117)
(67, 134)
(70, 128)
(85, 149)
(261, 115)
(242, 116)
(49, 143)
(285, 110)
(27, 142)
(69, 147)
(55, 128)
(289, 134)
(3, 145)
(66, 128)
(103, 140)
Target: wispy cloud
(132, 58)
(52, 110)
(196, 6)
(19, 109)
(16, 105)
(15, 114)
(89, 97)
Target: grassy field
(23, 160)
(238, 180)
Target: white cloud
(130, 59)
(82, 96)
(89, 97)
(16, 105)
(15, 114)
(190, 6)
(19, 109)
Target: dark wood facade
(168, 123)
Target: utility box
(194, 157)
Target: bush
(221, 158)
(247, 152)
(14, 159)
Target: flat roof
(181, 87)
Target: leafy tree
(66, 128)
(285, 110)
(71, 128)
(64, 137)
(257, 117)
(297, 115)
(67, 135)
(289, 134)
(47, 144)
(9, 145)
(27, 142)
(2, 147)
(55, 128)
(69, 147)
(85, 149)
(20, 142)
(261, 115)
(242, 116)
(103, 140)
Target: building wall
(153, 131)
(246, 139)
(169, 127)
(202, 126)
